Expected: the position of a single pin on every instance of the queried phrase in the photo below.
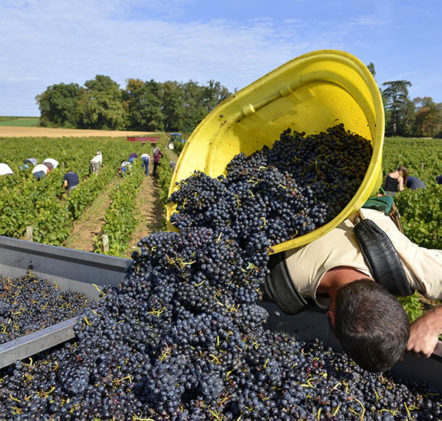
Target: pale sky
(45, 42)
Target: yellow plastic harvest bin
(309, 93)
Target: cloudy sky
(45, 42)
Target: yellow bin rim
(309, 93)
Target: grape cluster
(28, 304)
(275, 194)
(184, 336)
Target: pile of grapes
(280, 193)
(29, 304)
(184, 338)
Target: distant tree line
(142, 105)
(420, 117)
(174, 106)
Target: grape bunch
(298, 185)
(184, 337)
(28, 304)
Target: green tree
(144, 101)
(58, 104)
(409, 118)
(194, 109)
(428, 117)
(213, 94)
(399, 108)
(173, 106)
(100, 106)
(128, 96)
(200, 100)
(370, 66)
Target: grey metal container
(78, 270)
(71, 269)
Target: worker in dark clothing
(396, 181)
(439, 179)
(70, 181)
(415, 183)
(333, 273)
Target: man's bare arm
(424, 332)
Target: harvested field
(12, 131)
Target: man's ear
(331, 315)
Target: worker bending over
(70, 181)
(332, 273)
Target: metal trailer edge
(70, 269)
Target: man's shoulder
(378, 217)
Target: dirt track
(12, 131)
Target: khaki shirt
(339, 247)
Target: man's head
(371, 325)
(49, 166)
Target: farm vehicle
(176, 139)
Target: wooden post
(29, 232)
(105, 243)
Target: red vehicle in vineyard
(143, 139)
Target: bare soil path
(149, 211)
(89, 224)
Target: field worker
(145, 159)
(333, 274)
(96, 163)
(70, 181)
(132, 157)
(396, 181)
(125, 167)
(51, 161)
(28, 163)
(5, 169)
(40, 171)
(157, 154)
(439, 179)
(49, 165)
(415, 183)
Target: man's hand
(424, 333)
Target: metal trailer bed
(78, 271)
